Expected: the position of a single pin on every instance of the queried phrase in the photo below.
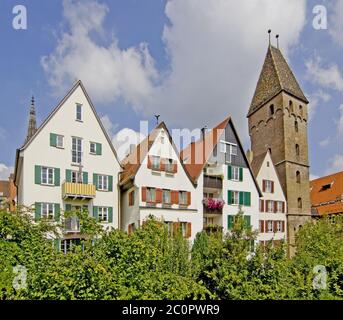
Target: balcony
(72, 225)
(79, 191)
(213, 182)
(213, 206)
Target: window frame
(268, 186)
(103, 212)
(151, 195)
(183, 196)
(90, 147)
(59, 138)
(278, 226)
(166, 191)
(78, 112)
(270, 223)
(270, 206)
(49, 214)
(233, 193)
(153, 164)
(234, 173)
(78, 150)
(77, 178)
(102, 182)
(47, 183)
(279, 207)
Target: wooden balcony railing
(213, 182)
(78, 190)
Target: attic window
(268, 164)
(326, 187)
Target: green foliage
(152, 264)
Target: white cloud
(214, 61)
(329, 76)
(335, 164)
(336, 22)
(325, 142)
(124, 139)
(5, 171)
(315, 100)
(340, 122)
(107, 71)
(313, 177)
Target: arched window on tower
(300, 203)
(291, 109)
(271, 110)
(297, 150)
(301, 111)
(298, 176)
(296, 126)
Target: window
(76, 150)
(59, 141)
(301, 110)
(183, 226)
(291, 109)
(93, 148)
(235, 173)
(271, 110)
(79, 112)
(297, 150)
(76, 177)
(298, 177)
(48, 211)
(270, 206)
(68, 244)
(132, 198)
(268, 186)
(233, 150)
(222, 147)
(156, 161)
(279, 226)
(280, 206)
(208, 220)
(235, 197)
(102, 182)
(296, 126)
(261, 225)
(47, 176)
(103, 214)
(151, 195)
(169, 225)
(268, 164)
(300, 203)
(166, 196)
(169, 165)
(183, 197)
(270, 226)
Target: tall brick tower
(278, 122)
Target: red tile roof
(327, 194)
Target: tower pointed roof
(276, 76)
(32, 127)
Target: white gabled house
(155, 183)
(273, 205)
(69, 163)
(219, 167)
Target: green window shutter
(68, 207)
(230, 222)
(57, 212)
(229, 172)
(38, 174)
(229, 197)
(241, 198)
(99, 149)
(95, 180)
(240, 174)
(57, 244)
(247, 200)
(57, 174)
(110, 183)
(85, 177)
(95, 212)
(247, 221)
(53, 140)
(38, 211)
(68, 175)
(110, 214)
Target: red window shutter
(262, 205)
(189, 230)
(158, 195)
(266, 225)
(174, 166)
(261, 226)
(275, 226)
(189, 198)
(149, 162)
(272, 186)
(144, 194)
(283, 226)
(163, 164)
(275, 206)
(267, 206)
(283, 206)
(264, 185)
(176, 226)
(174, 197)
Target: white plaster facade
(39, 152)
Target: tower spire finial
(269, 32)
(157, 117)
(277, 40)
(32, 127)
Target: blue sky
(192, 61)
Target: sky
(194, 62)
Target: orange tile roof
(327, 200)
(197, 153)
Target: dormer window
(326, 187)
(78, 112)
